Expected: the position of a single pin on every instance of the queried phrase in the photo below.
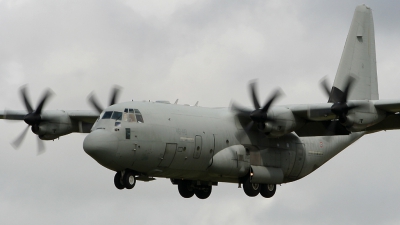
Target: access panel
(169, 154)
(197, 147)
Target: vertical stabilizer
(358, 60)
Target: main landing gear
(188, 188)
(124, 179)
(253, 189)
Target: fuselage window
(107, 115)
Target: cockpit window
(128, 116)
(117, 115)
(107, 115)
(112, 115)
(139, 116)
(132, 115)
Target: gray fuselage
(196, 143)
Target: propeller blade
(349, 84)
(249, 126)
(240, 110)
(253, 95)
(114, 94)
(43, 101)
(25, 99)
(276, 94)
(94, 103)
(325, 86)
(41, 148)
(258, 116)
(330, 130)
(241, 133)
(17, 142)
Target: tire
(268, 190)
(251, 189)
(204, 192)
(129, 180)
(117, 181)
(185, 190)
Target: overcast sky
(194, 50)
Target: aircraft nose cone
(102, 146)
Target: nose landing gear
(118, 181)
(124, 179)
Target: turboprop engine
(283, 122)
(354, 115)
(273, 122)
(47, 125)
(364, 115)
(54, 124)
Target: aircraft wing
(392, 106)
(13, 114)
(314, 112)
(318, 119)
(392, 121)
(87, 116)
(82, 119)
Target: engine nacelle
(362, 117)
(284, 122)
(54, 124)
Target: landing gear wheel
(251, 189)
(267, 190)
(204, 192)
(117, 181)
(129, 180)
(185, 190)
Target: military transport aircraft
(197, 147)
